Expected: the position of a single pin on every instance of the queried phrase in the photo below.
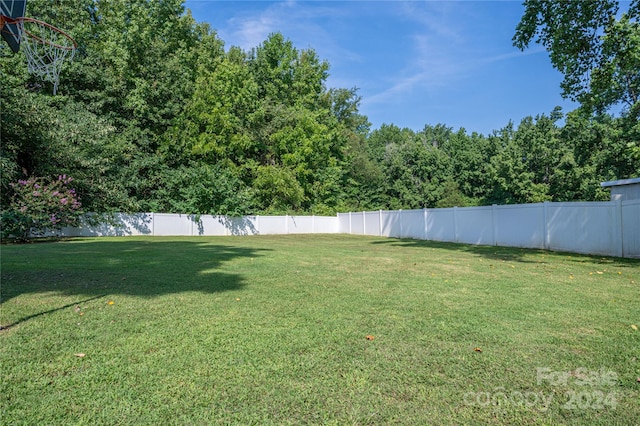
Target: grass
(273, 330)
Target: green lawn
(273, 330)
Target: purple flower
(36, 193)
(55, 193)
(63, 201)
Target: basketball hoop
(45, 47)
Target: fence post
(494, 224)
(349, 223)
(425, 232)
(401, 223)
(380, 222)
(153, 224)
(364, 223)
(545, 222)
(455, 224)
(617, 229)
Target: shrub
(38, 208)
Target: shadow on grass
(513, 254)
(138, 267)
(28, 317)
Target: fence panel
(520, 225)
(344, 223)
(372, 223)
(300, 224)
(583, 227)
(167, 224)
(631, 228)
(441, 225)
(272, 225)
(210, 226)
(391, 224)
(326, 225)
(357, 223)
(413, 224)
(474, 225)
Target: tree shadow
(141, 267)
(113, 224)
(28, 317)
(512, 254)
(497, 253)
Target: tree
(535, 164)
(415, 173)
(596, 48)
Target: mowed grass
(315, 329)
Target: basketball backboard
(11, 9)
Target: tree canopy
(156, 114)
(593, 43)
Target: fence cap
(620, 182)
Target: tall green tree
(593, 43)
(416, 171)
(535, 164)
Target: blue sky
(415, 63)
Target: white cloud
(298, 21)
(444, 50)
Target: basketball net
(45, 47)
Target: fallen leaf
(81, 313)
(80, 355)
(370, 337)
(599, 272)
(635, 327)
(110, 302)
(477, 349)
(77, 308)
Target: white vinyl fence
(164, 224)
(609, 228)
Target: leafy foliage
(39, 206)
(597, 51)
(155, 114)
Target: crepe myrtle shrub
(39, 206)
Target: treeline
(154, 114)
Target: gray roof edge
(620, 182)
